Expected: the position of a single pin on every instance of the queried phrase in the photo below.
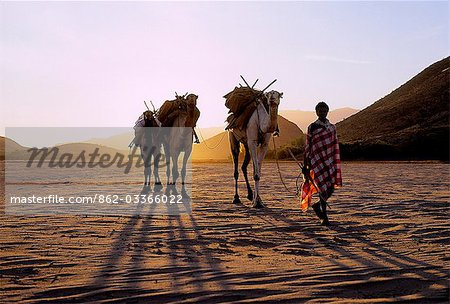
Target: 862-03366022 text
(99, 199)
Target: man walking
(322, 163)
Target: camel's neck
(191, 110)
(190, 116)
(273, 119)
(180, 121)
(268, 123)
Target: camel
(147, 140)
(180, 140)
(174, 140)
(258, 131)
(175, 136)
(185, 136)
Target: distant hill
(207, 133)
(77, 148)
(215, 148)
(304, 118)
(119, 142)
(412, 122)
(9, 145)
(16, 151)
(122, 141)
(218, 147)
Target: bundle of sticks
(242, 102)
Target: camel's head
(148, 115)
(192, 100)
(273, 98)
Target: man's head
(322, 110)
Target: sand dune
(389, 241)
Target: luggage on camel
(170, 110)
(166, 115)
(145, 120)
(242, 102)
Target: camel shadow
(158, 247)
(378, 260)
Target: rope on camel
(204, 141)
(297, 188)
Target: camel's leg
(234, 145)
(156, 159)
(260, 157)
(187, 148)
(147, 172)
(175, 173)
(257, 203)
(186, 155)
(262, 152)
(146, 169)
(167, 159)
(244, 170)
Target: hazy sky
(93, 63)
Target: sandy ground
(389, 242)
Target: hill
(9, 146)
(218, 147)
(119, 142)
(206, 133)
(19, 152)
(412, 122)
(304, 118)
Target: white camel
(258, 131)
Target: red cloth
(322, 152)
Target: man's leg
(323, 204)
(317, 210)
(325, 221)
